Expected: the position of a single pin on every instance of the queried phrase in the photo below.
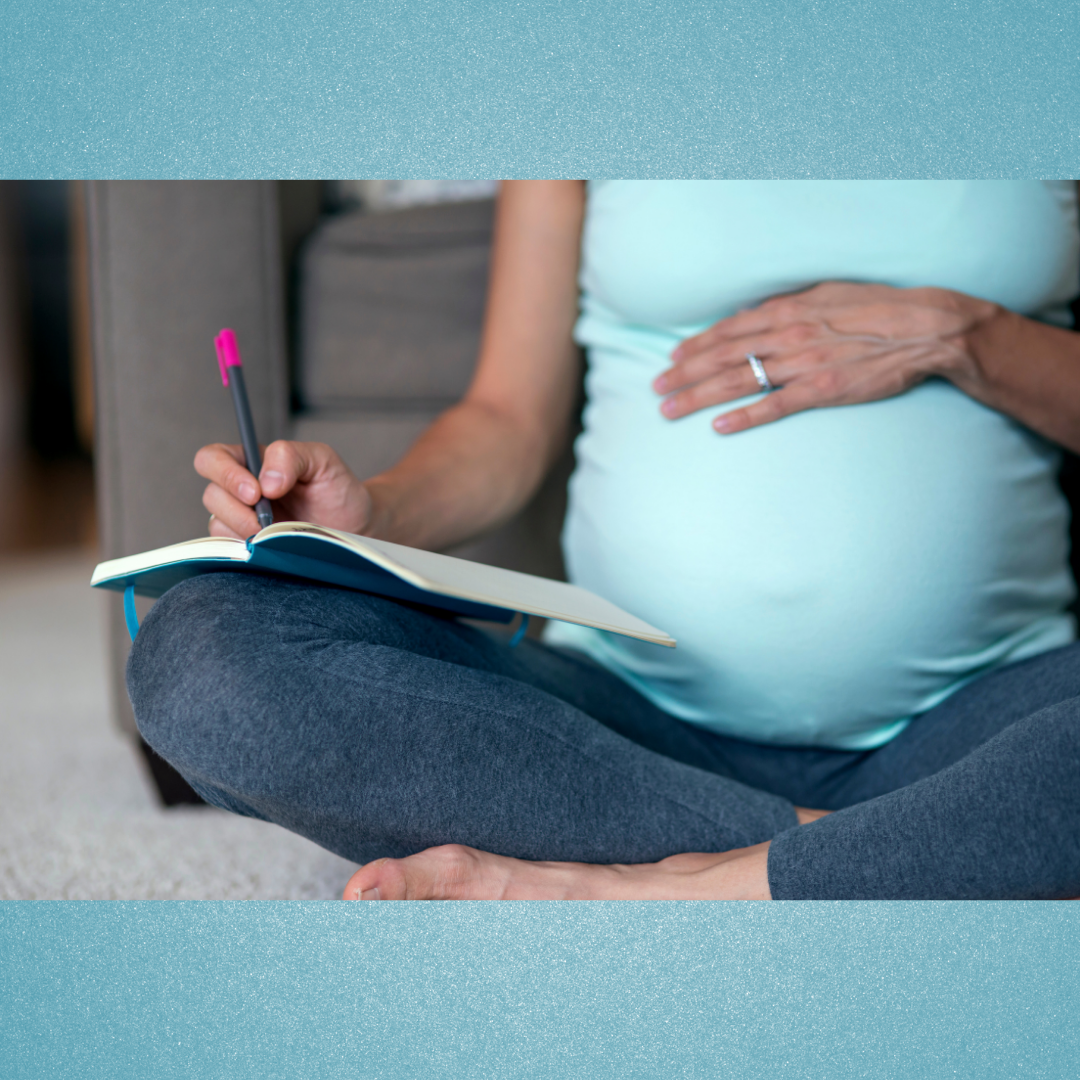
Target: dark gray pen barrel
(252, 457)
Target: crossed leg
(382, 731)
(1003, 822)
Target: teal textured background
(597, 991)
(637, 88)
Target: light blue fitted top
(830, 576)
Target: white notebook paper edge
(160, 558)
(372, 550)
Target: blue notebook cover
(314, 553)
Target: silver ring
(758, 368)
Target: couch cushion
(391, 305)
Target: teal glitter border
(604, 990)
(634, 88)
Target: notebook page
(485, 584)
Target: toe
(382, 879)
(450, 872)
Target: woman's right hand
(305, 481)
(483, 458)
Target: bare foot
(454, 872)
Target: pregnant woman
(818, 449)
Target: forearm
(473, 469)
(482, 460)
(1025, 369)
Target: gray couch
(355, 329)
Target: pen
(228, 356)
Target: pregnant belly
(826, 576)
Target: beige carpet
(78, 818)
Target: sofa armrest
(171, 263)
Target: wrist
(965, 361)
(374, 509)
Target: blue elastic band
(519, 633)
(130, 616)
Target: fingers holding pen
(285, 464)
(217, 527)
(232, 492)
(306, 482)
(229, 516)
(223, 464)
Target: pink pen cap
(228, 356)
(228, 353)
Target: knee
(184, 665)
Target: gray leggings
(375, 728)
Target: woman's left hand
(834, 344)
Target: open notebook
(315, 553)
